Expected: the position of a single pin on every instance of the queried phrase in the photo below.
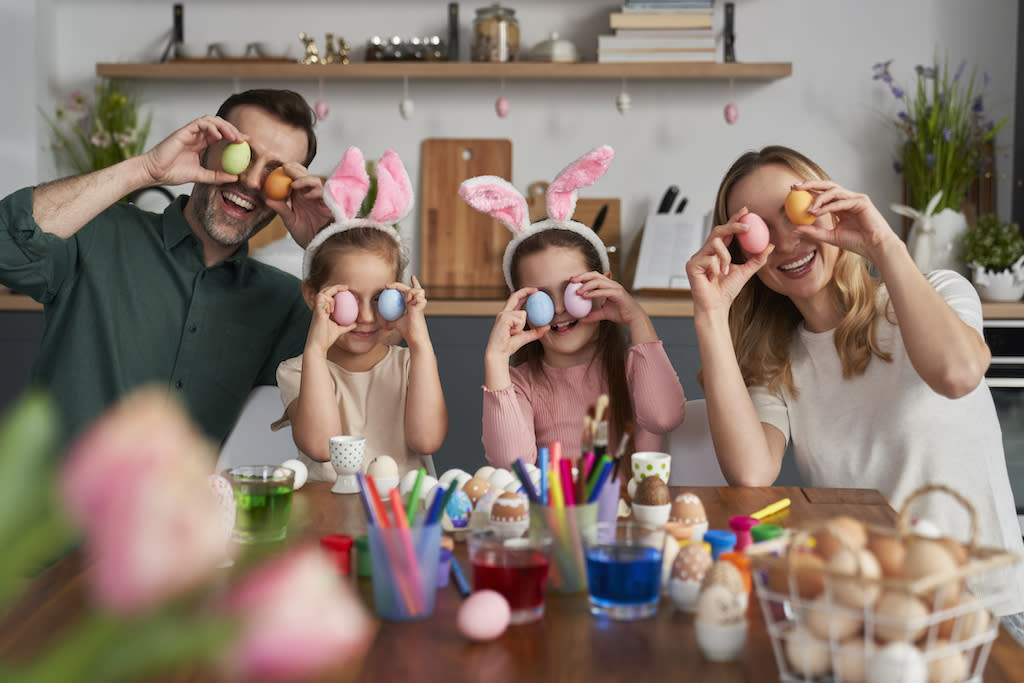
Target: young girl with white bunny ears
(544, 396)
(349, 379)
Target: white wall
(829, 108)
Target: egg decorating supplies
(773, 509)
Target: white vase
(934, 241)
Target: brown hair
(373, 240)
(762, 321)
(611, 337)
(285, 105)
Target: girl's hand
(860, 228)
(509, 333)
(714, 279)
(611, 300)
(413, 324)
(323, 330)
(303, 212)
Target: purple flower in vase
(960, 70)
(897, 92)
(930, 160)
(978, 105)
(947, 134)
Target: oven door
(1005, 378)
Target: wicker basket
(950, 636)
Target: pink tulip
(297, 617)
(137, 483)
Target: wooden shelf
(206, 69)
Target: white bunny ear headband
(499, 198)
(347, 187)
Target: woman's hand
(860, 227)
(323, 330)
(714, 279)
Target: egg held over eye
(539, 309)
(346, 310)
(278, 184)
(755, 239)
(391, 304)
(576, 305)
(235, 157)
(797, 202)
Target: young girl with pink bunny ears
(349, 378)
(540, 380)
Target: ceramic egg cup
(347, 459)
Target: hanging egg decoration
(321, 109)
(407, 108)
(623, 102)
(501, 106)
(731, 113)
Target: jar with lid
(495, 35)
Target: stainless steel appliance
(1005, 378)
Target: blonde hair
(762, 321)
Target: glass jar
(495, 35)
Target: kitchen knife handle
(682, 204)
(668, 198)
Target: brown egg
(688, 509)
(902, 617)
(278, 184)
(863, 589)
(840, 531)
(930, 557)
(826, 622)
(968, 625)
(475, 487)
(948, 667)
(890, 553)
(807, 656)
(692, 562)
(723, 573)
(850, 661)
(808, 574)
(652, 491)
(509, 507)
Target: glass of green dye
(263, 501)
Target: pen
(769, 510)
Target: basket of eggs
(847, 601)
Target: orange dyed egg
(797, 202)
(278, 184)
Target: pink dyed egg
(755, 239)
(321, 110)
(501, 106)
(346, 310)
(576, 305)
(731, 113)
(483, 615)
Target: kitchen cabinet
(209, 69)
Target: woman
(877, 380)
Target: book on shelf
(666, 33)
(616, 42)
(656, 20)
(612, 56)
(631, 5)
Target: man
(132, 297)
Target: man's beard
(223, 229)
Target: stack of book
(660, 31)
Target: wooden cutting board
(460, 247)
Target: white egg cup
(347, 454)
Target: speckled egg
(723, 573)
(474, 488)
(688, 569)
(688, 509)
(484, 503)
(652, 491)
(510, 515)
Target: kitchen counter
(669, 306)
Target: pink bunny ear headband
(347, 187)
(499, 198)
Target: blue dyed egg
(539, 309)
(458, 509)
(391, 304)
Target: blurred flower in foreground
(297, 618)
(137, 484)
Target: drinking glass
(623, 569)
(515, 567)
(263, 501)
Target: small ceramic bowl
(721, 642)
(651, 515)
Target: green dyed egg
(236, 157)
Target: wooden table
(567, 645)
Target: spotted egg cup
(651, 464)
(347, 454)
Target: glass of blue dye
(623, 569)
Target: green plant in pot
(994, 250)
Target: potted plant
(994, 250)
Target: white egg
(484, 472)
(407, 481)
(448, 475)
(897, 663)
(500, 478)
(301, 472)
